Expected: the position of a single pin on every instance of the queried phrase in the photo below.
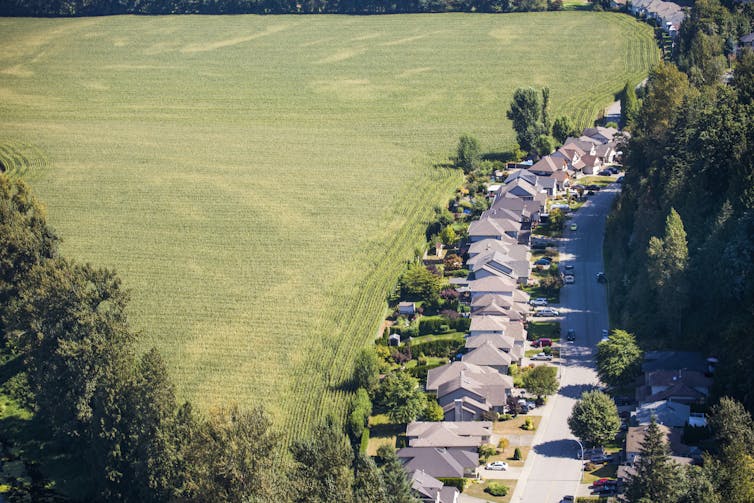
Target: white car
(547, 311)
(542, 356)
(497, 465)
(539, 301)
(569, 279)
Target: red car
(542, 342)
(602, 482)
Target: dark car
(571, 336)
(543, 261)
(613, 170)
(619, 180)
(605, 172)
(601, 278)
(593, 187)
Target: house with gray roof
(685, 386)
(548, 165)
(430, 490)
(493, 228)
(488, 325)
(495, 263)
(509, 248)
(673, 414)
(488, 355)
(489, 303)
(501, 285)
(439, 462)
(451, 434)
(467, 391)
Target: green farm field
(259, 182)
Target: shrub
(496, 489)
(504, 417)
(486, 451)
(364, 441)
(442, 348)
(504, 443)
(528, 424)
(517, 454)
(458, 483)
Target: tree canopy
(594, 419)
(618, 359)
(541, 380)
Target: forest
(54, 8)
(679, 243)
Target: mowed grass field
(259, 182)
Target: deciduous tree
(403, 398)
(618, 359)
(541, 380)
(594, 419)
(468, 153)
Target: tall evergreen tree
(368, 486)
(397, 483)
(526, 113)
(629, 105)
(657, 476)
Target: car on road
(497, 465)
(546, 311)
(569, 279)
(604, 335)
(571, 335)
(542, 357)
(542, 342)
(543, 261)
(539, 301)
(568, 267)
(601, 278)
(574, 227)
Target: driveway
(552, 469)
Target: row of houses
(475, 388)
(668, 15)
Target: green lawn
(476, 489)
(548, 329)
(258, 182)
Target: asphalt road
(552, 469)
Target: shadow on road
(557, 449)
(575, 390)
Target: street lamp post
(582, 452)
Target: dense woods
(679, 243)
(111, 7)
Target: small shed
(394, 340)
(407, 308)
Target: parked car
(603, 482)
(569, 279)
(539, 301)
(605, 172)
(593, 187)
(601, 458)
(571, 336)
(542, 342)
(497, 465)
(605, 334)
(568, 267)
(546, 311)
(574, 227)
(542, 357)
(543, 261)
(568, 499)
(601, 278)
(589, 192)
(620, 179)
(613, 170)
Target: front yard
(476, 489)
(383, 432)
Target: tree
(667, 259)
(366, 370)
(525, 112)
(594, 419)
(232, 457)
(397, 484)
(448, 235)
(657, 476)
(545, 145)
(541, 380)
(618, 359)
(25, 238)
(468, 153)
(731, 424)
(69, 322)
(418, 282)
(361, 409)
(629, 105)
(433, 411)
(403, 397)
(368, 486)
(696, 487)
(546, 122)
(323, 466)
(562, 128)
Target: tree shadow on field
(575, 390)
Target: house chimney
(457, 409)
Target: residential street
(552, 469)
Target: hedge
(364, 441)
(440, 348)
(459, 483)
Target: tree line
(56, 8)
(111, 414)
(679, 242)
